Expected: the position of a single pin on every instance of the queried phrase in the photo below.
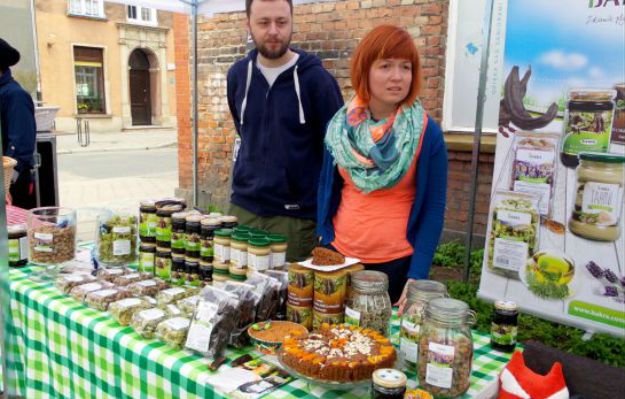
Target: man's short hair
(248, 6)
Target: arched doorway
(140, 93)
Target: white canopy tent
(195, 8)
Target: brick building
(331, 30)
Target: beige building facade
(110, 64)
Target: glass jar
(229, 221)
(192, 235)
(18, 245)
(503, 331)
(147, 257)
(238, 250)
(599, 198)
(178, 226)
(192, 273)
(588, 123)
(278, 251)
(446, 348)
(618, 126)
(369, 305)
(221, 245)
(116, 241)
(206, 270)
(258, 253)
(147, 221)
(162, 264)
(388, 384)
(419, 293)
(164, 223)
(51, 236)
(207, 234)
(178, 276)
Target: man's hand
(402, 299)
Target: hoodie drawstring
(302, 119)
(248, 82)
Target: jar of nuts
(51, 235)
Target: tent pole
(194, 11)
(477, 136)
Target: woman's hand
(402, 299)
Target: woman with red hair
(383, 183)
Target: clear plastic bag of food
(213, 322)
(130, 278)
(67, 282)
(173, 295)
(149, 287)
(268, 290)
(150, 300)
(173, 331)
(187, 305)
(101, 299)
(123, 310)
(79, 292)
(144, 322)
(283, 278)
(172, 310)
(245, 312)
(111, 274)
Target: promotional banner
(555, 241)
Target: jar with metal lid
(278, 251)
(238, 250)
(162, 263)
(588, 123)
(504, 327)
(229, 221)
(419, 293)
(147, 221)
(18, 245)
(599, 197)
(446, 348)
(388, 384)
(178, 228)
(258, 253)
(147, 257)
(192, 235)
(178, 275)
(164, 222)
(116, 239)
(221, 245)
(192, 269)
(207, 234)
(369, 304)
(206, 270)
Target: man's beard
(269, 54)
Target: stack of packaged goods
(299, 308)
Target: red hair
(384, 42)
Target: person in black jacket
(281, 100)
(17, 113)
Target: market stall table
(58, 347)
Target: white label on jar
(238, 258)
(121, 229)
(152, 225)
(121, 247)
(410, 328)
(45, 237)
(18, 249)
(438, 371)
(278, 259)
(510, 254)
(603, 200)
(409, 349)
(514, 219)
(128, 303)
(352, 316)
(152, 314)
(543, 190)
(258, 262)
(177, 323)
(222, 253)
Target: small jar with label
(178, 274)
(236, 273)
(368, 304)
(221, 245)
(503, 331)
(388, 384)
(207, 234)
(147, 257)
(193, 234)
(258, 254)
(18, 245)
(419, 293)
(238, 250)
(162, 264)
(147, 221)
(116, 241)
(278, 251)
(164, 222)
(446, 348)
(206, 270)
(192, 272)
(229, 221)
(178, 226)
(599, 198)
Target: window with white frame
(87, 8)
(141, 15)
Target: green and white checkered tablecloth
(57, 347)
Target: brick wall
(183, 98)
(331, 30)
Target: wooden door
(140, 102)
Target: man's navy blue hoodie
(282, 129)
(17, 112)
